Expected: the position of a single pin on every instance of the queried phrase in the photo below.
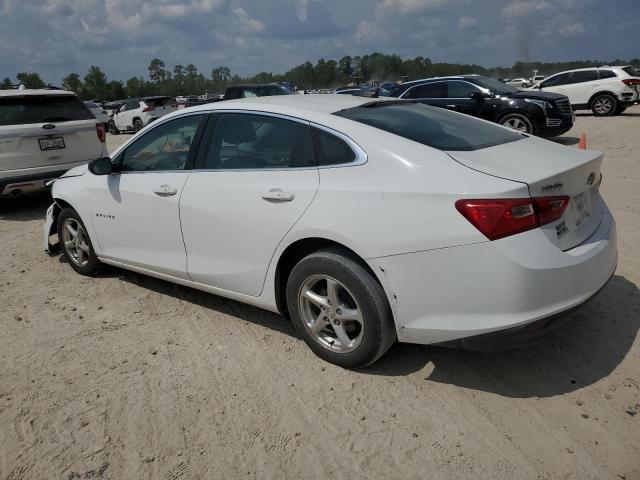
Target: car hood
(76, 171)
(536, 95)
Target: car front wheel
(76, 244)
(518, 122)
(339, 309)
(604, 105)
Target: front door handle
(165, 191)
(276, 195)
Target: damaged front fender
(51, 229)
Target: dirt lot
(128, 377)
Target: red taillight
(148, 109)
(507, 216)
(631, 81)
(102, 133)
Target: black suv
(540, 113)
(245, 91)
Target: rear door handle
(276, 195)
(165, 191)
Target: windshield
(42, 109)
(496, 86)
(270, 90)
(435, 127)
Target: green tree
(157, 73)
(30, 80)
(95, 83)
(6, 84)
(72, 82)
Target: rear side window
(584, 76)
(330, 149)
(42, 109)
(435, 127)
(158, 102)
(607, 74)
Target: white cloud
(247, 22)
(524, 8)
(572, 30)
(410, 6)
(465, 22)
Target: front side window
(432, 126)
(584, 76)
(428, 90)
(561, 79)
(42, 109)
(244, 141)
(165, 147)
(458, 89)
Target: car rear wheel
(112, 128)
(604, 105)
(76, 244)
(518, 122)
(339, 309)
(137, 125)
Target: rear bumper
(31, 182)
(454, 293)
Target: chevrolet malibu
(364, 220)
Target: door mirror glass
(479, 96)
(101, 166)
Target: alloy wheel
(603, 105)
(517, 124)
(75, 241)
(330, 314)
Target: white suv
(137, 113)
(44, 133)
(604, 90)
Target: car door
(583, 84)
(557, 84)
(135, 210)
(459, 93)
(255, 176)
(432, 93)
(125, 116)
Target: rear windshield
(42, 109)
(435, 127)
(634, 72)
(159, 102)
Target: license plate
(582, 207)
(51, 143)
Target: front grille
(564, 106)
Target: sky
(56, 37)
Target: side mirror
(101, 166)
(479, 96)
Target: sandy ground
(128, 377)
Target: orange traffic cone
(583, 142)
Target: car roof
(608, 67)
(32, 92)
(309, 107)
(448, 77)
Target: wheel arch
(299, 249)
(603, 92)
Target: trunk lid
(549, 170)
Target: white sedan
(364, 220)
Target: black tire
(518, 122)
(604, 105)
(137, 125)
(113, 129)
(378, 332)
(93, 265)
(620, 110)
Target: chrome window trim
(441, 98)
(361, 156)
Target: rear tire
(604, 105)
(518, 122)
(137, 125)
(113, 129)
(339, 309)
(76, 247)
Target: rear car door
(135, 210)
(46, 130)
(255, 176)
(583, 84)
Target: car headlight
(546, 106)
